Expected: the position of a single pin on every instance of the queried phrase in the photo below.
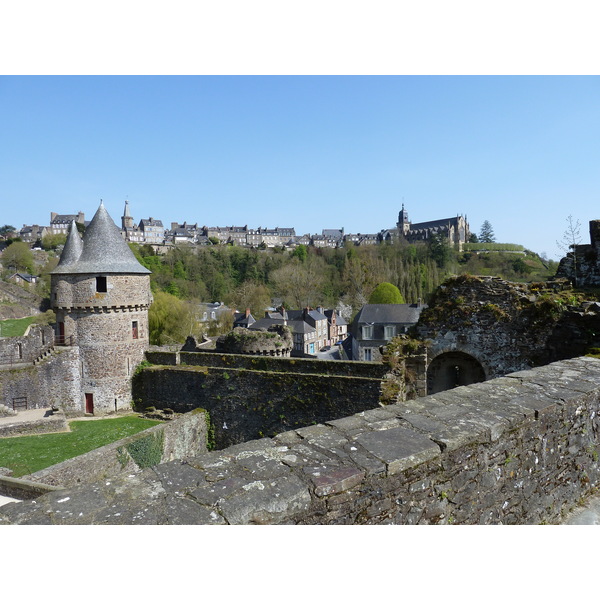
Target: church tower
(403, 223)
(126, 219)
(101, 295)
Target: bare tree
(571, 237)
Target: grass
(31, 453)
(15, 327)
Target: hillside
(17, 302)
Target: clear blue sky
(309, 152)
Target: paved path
(25, 415)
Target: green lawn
(14, 327)
(28, 454)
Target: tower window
(134, 329)
(101, 284)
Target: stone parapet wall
(54, 381)
(51, 423)
(267, 363)
(19, 489)
(245, 404)
(521, 449)
(184, 436)
(26, 348)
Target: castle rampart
(520, 449)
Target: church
(454, 229)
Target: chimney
(247, 313)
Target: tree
(486, 234)
(170, 320)
(473, 239)
(570, 240)
(53, 240)
(300, 283)
(300, 252)
(18, 257)
(252, 295)
(6, 230)
(386, 293)
(439, 250)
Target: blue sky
(309, 152)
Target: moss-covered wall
(267, 363)
(245, 405)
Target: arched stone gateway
(453, 369)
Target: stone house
(244, 319)
(61, 223)
(376, 324)
(23, 279)
(338, 327)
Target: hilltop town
(151, 231)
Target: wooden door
(89, 404)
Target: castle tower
(101, 295)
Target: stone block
(398, 448)
(328, 481)
(262, 502)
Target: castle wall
(521, 449)
(184, 436)
(245, 404)
(26, 348)
(54, 381)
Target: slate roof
(389, 313)
(300, 327)
(151, 223)
(71, 251)
(339, 320)
(432, 224)
(263, 323)
(104, 249)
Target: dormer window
(101, 285)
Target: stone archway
(453, 369)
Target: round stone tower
(101, 295)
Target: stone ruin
(275, 341)
(581, 266)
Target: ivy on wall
(148, 450)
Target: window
(101, 284)
(134, 329)
(367, 332)
(389, 332)
(368, 354)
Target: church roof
(104, 249)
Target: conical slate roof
(71, 252)
(104, 250)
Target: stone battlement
(520, 449)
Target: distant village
(153, 232)
(315, 331)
